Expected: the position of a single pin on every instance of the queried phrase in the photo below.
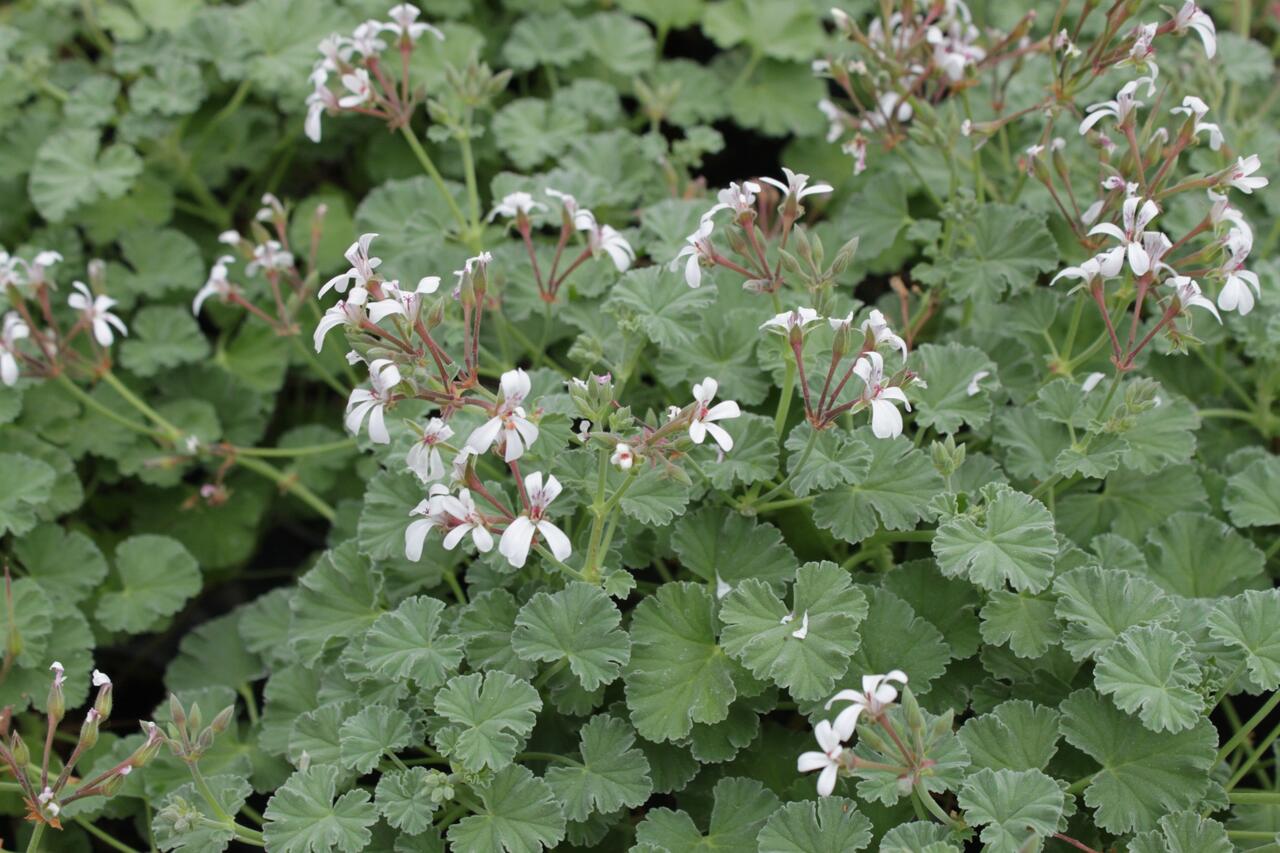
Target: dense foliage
(682, 500)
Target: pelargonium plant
(639, 426)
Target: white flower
(1195, 109)
(14, 330)
(1096, 269)
(1190, 16)
(889, 104)
(1240, 175)
(1235, 294)
(698, 249)
(1120, 109)
(886, 420)
(359, 87)
(97, 310)
(404, 23)
(1091, 381)
(569, 202)
(1091, 212)
(38, 269)
(509, 426)
(975, 386)
(462, 517)
(269, 256)
(877, 693)
(100, 678)
(785, 322)
(362, 266)
(857, 149)
(345, 312)
(605, 238)
(1221, 211)
(424, 457)
(797, 185)
(515, 205)
(740, 198)
(383, 376)
(430, 514)
(1136, 215)
(59, 673)
(216, 285)
(828, 760)
(878, 326)
(836, 119)
(364, 40)
(518, 537)
(623, 456)
(705, 415)
(1188, 294)
(801, 632)
(318, 102)
(404, 303)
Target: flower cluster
(870, 703)
(356, 61)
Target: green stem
(783, 504)
(251, 704)
(804, 457)
(289, 483)
(1254, 755)
(1249, 726)
(932, 805)
(33, 846)
(1080, 784)
(430, 168)
(138, 403)
(80, 394)
(784, 402)
(102, 836)
(1259, 798)
(469, 168)
(306, 450)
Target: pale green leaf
(156, 576)
(1252, 497)
(578, 624)
(1012, 807)
(742, 807)
(28, 486)
(520, 815)
(950, 372)
(716, 543)
(409, 642)
(373, 732)
(492, 713)
(896, 488)
(1149, 669)
(66, 563)
(1183, 832)
(831, 825)
(1197, 556)
(1101, 604)
(1009, 540)
(1251, 622)
(408, 799)
(304, 817)
(1016, 735)
(610, 775)
(893, 637)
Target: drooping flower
(1136, 215)
(405, 24)
(1098, 268)
(462, 517)
(344, 312)
(404, 303)
(383, 377)
(787, 321)
(797, 185)
(100, 678)
(518, 537)
(740, 198)
(424, 457)
(430, 515)
(886, 420)
(1091, 381)
(1196, 109)
(1241, 176)
(1120, 109)
(1192, 17)
(364, 40)
(1235, 294)
(569, 203)
(38, 269)
(97, 311)
(605, 238)
(1188, 294)
(359, 89)
(362, 267)
(878, 327)
(827, 760)
(515, 205)
(509, 426)
(14, 330)
(705, 415)
(216, 285)
(877, 694)
(698, 250)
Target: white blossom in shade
(216, 285)
(889, 105)
(1195, 109)
(787, 321)
(1091, 381)
(405, 24)
(424, 457)
(359, 89)
(797, 185)
(835, 119)
(886, 420)
(362, 267)
(705, 415)
(826, 760)
(605, 238)
(428, 515)
(623, 457)
(1221, 211)
(1192, 17)
(59, 673)
(97, 311)
(460, 464)
(270, 255)
(569, 203)
(462, 517)
(514, 205)
(877, 694)
(878, 327)
(1235, 294)
(1091, 212)
(364, 40)
(857, 149)
(1189, 296)
(518, 537)
(740, 198)
(1241, 176)
(9, 273)
(100, 678)
(1120, 109)
(372, 402)
(801, 632)
(975, 383)
(38, 269)
(697, 249)
(509, 426)
(1095, 270)
(14, 330)
(320, 101)
(344, 312)
(722, 588)
(1136, 215)
(403, 303)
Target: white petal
(556, 540)
(516, 540)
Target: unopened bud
(947, 456)
(57, 703)
(194, 718)
(113, 783)
(176, 713)
(89, 729)
(224, 718)
(18, 747)
(143, 755)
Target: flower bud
(145, 754)
(194, 718)
(113, 783)
(176, 713)
(18, 747)
(224, 718)
(102, 704)
(57, 703)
